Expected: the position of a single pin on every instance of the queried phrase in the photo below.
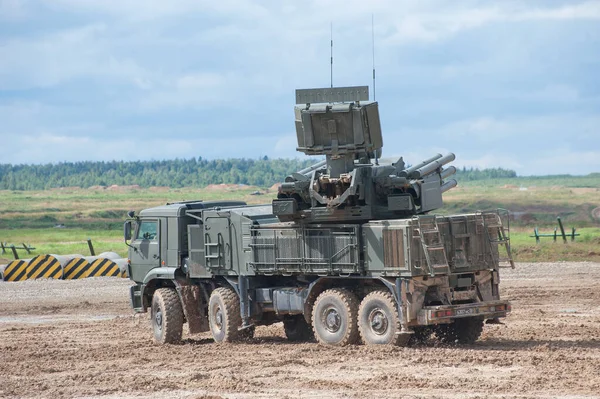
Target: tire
(378, 321)
(224, 315)
(462, 331)
(297, 329)
(334, 317)
(166, 316)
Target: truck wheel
(224, 315)
(378, 319)
(297, 329)
(462, 331)
(167, 316)
(334, 317)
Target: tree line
(192, 172)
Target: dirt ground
(65, 339)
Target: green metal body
(345, 223)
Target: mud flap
(193, 307)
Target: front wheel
(334, 317)
(167, 316)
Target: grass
(33, 216)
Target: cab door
(146, 255)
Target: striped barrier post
(122, 263)
(75, 268)
(48, 266)
(16, 270)
(102, 265)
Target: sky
(509, 84)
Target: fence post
(537, 235)
(573, 234)
(562, 230)
(91, 247)
(14, 251)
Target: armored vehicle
(347, 252)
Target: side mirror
(131, 214)
(127, 230)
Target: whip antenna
(373, 47)
(331, 58)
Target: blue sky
(509, 84)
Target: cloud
(510, 83)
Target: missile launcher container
(348, 252)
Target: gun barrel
(449, 171)
(432, 166)
(409, 171)
(312, 167)
(448, 185)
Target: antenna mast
(373, 46)
(331, 66)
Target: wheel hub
(219, 318)
(332, 319)
(379, 321)
(158, 319)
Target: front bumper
(446, 313)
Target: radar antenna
(331, 56)
(373, 47)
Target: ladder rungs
(434, 248)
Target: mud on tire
(224, 315)
(334, 317)
(378, 319)
(166, 316)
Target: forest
(192, 172)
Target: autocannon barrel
(312, 167)
(432, 166)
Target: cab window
(147, 231)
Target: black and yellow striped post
(16, 270)
(45, 266)
(122, 263)
(76, 268)
(103, 267)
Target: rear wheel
(167, 316)
(224, 315)
(334, 317)
(462, 331)
(297, 329)
(378, 319)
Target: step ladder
(433, 246)
(498, 233)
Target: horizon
(501, 85)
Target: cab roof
(176, 209)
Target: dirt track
(62, 339)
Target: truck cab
(158, 239)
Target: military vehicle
(347, 252)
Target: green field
(60, 220)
